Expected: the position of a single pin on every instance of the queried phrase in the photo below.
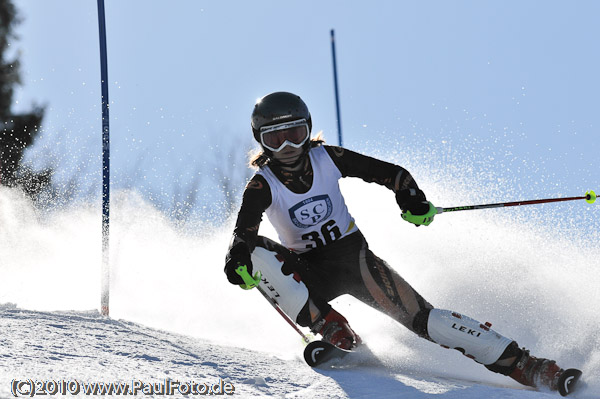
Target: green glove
(419, 220)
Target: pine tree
(17, 131)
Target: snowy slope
(87, 347)
(173, 315)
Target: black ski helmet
(279, 107)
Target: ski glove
(424, 219)
(412, 199)
(415, 207)
(239, 254)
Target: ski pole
(589, 196)
(251, 282)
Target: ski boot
(335, 329)
(540, 372)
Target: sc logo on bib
(311, 211)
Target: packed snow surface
(88, 348)
(174, 318)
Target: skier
(323, 254)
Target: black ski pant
(348, 266)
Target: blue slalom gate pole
(335, 82)
(105, 273)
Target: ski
(319, 352)
(567, 382)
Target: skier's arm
(256, 199)
(352, 164)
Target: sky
(499, 93)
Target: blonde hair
(258, 158)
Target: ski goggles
(294, 134)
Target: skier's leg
(383, 288)
(349, 267)
(498, 353)
(391, 294)
(287, 290)
(281, 281)
(474, 339)
(320, 271)
(387, 291)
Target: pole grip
(250, 282)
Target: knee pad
(475, 340)
(291, 295)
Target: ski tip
(590, 197)
(319, 352)
(567, 383)
(313, 352)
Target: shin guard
(290, 294)
(474, 339)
